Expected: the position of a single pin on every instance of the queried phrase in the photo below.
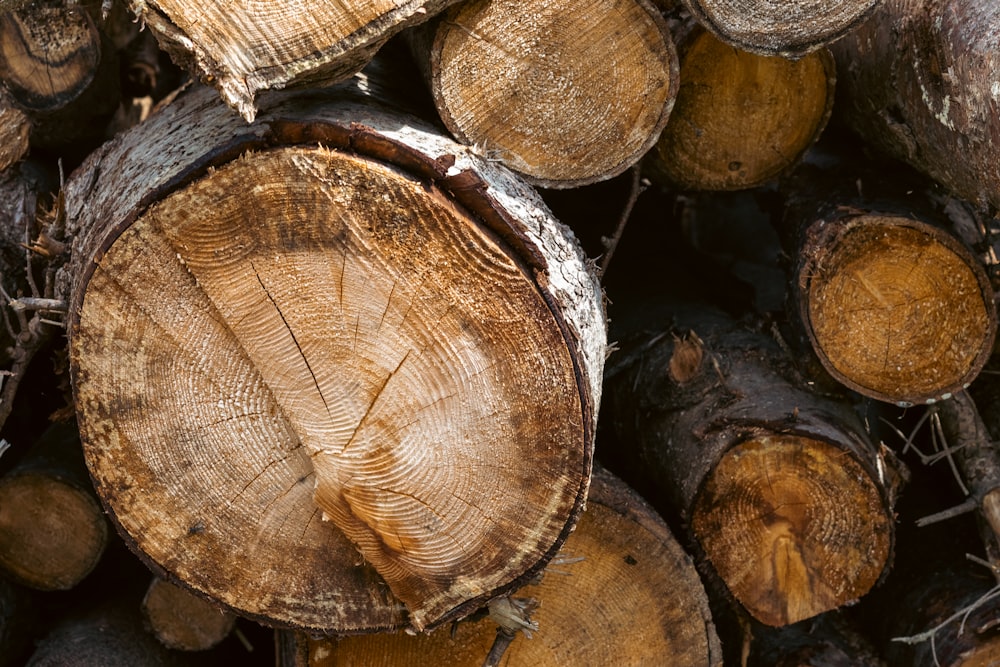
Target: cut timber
(625, 593)
(386, 332)
(894, 304)
(789, 28)
(243, 48)
(565, 92)
(52, 529)
(781, 488)
(183, 621)
(740, 119)
(919, 81)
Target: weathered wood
(788, 500)
(791, 28)
(52, 529)
(386, 332)
(516, 79)
(918, 81)
(243, 49)
(183, 621)
(624, 593)
(896, 306)
(740, 119)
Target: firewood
(895, 304)
(369, 400)
(244, 49)
(787, 499)
(15, 128)
(789, 29)
(52, 529)
(182, 620)
(917, 81)
(625, 593)
(515, 79)
(740, 119)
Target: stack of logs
(481, 332)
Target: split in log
(894, 304)
(564, 92)
(788, 500)
(243, 49)
(625, 593)
(52, 529)
(182, 620)
(918, 81)
(740, 119)
(385, 331)
(790, 28)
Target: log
(741, 119)
(626, 593)
(788, 501)
(15, 128)
(243, 49)
(789, 29)
(894, 303)
(370, 399)
(828, 640)
(560, 110)
(52, 529)
(181, 620)
(917, 82)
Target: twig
(611, 242)
(499, 647)
(968, 505)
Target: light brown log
(52, 529)
(791, 28)
(182, 620)
(564, 92)
(789, 501)
(625, 593)
(370, 398)
(919, 82)
(740, 119)
(895, 304)
(245, 48)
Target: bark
(740, 119)
(15, 128)
(789, 502)
(183, 621)
(52, 530)
(515, 79)
(918, 81)
(625, 593)
(788, 29)
(370, 345)
(244, 49)
(895, 304)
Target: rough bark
(625, 593)
(740, 119)
(789, 29)
(243, 49)
(515, 79)
(918, 81)
(895, 304)
(787, 499)
(386, 332)
(183, 621)
(52, 529)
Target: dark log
(828, 640)
(19, 623)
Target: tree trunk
(374, 341)
(515, 79)
(183, 621)
(52, 529)
(740, 119)
(895, 305)
(919, 82)
(622, 592)
(788, 500)
(243, 49)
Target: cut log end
(899, 312)
(560, 110)
(809, 533)
(183, 621)
(740, 119)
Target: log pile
(498, 332)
